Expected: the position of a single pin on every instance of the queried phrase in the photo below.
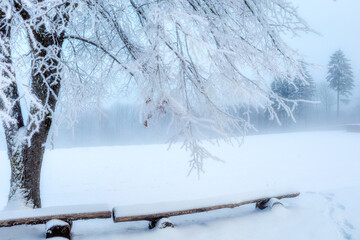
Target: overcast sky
(338, 22)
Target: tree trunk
(26, 144)
(26, 157)
(26, 163)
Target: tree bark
(26, 162)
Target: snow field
(324, 166)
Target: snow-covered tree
(192, 59)
(340, 77)
(298, 93)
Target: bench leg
(267, 203)
(58, 228)
(161, 223)
(262, 204)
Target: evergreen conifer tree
(340, 77)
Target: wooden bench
(155, 212)
(59, 219)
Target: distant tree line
(309, 104)
(313, 103)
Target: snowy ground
(324, 166)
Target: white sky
(338, 22)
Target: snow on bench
(157, 211)
(65, 213)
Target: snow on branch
(204, 62)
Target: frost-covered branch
(204, 62)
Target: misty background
(336, 26)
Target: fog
(119, 123)
(335, 25)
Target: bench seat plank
(65, 213)
(151, 212)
